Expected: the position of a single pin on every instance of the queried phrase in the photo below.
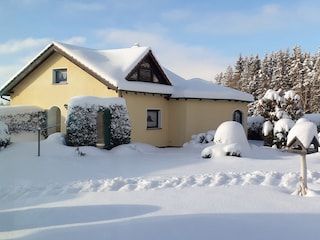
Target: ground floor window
(153, 118)
(238, 116)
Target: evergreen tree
(238, 70)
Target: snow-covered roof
(305, 131)
(113, 66)
(203, 89)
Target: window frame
(55, 78)
(158, 118)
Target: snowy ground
(137, 191)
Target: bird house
(295, 145)
(303, 138)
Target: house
(164, 109)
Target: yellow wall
(197, 116)
(38, 88)
(138, 104)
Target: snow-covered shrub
(280, 132)
(82, 121)
(276, 105)
(267, 132)
(315, 118)
(255, 125)
(230, 140)
(203, 138)
(4, 135)
(120, 125)
(23, 119)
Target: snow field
(137, 191)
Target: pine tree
(315, 75)
(237, 73)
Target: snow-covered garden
(219, 185)
(137, 191)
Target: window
(237, 116)
(153, 119)
(148, 71)
(60, 76)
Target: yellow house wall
(138, 104)
(38, 88)
(178, 123)
(197, 116)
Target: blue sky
(194, 38)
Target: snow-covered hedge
(82, 121)
(23, 118)
(4, 135)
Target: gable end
(148, 70)
(85, 68)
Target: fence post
(39, 131)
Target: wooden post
(303, 188)
(39, 131)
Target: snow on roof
(203, 89)
(87, 101)
(114, 65)
(305, 131)
(6, 110)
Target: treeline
(286, 70)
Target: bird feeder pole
(303, 188)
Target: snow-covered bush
(280, 132)
(230, 140)
(120, 125)
(315, 118)
(23, 118)
(255, 125)
(82, 121)
(4, 135)
(276, 105)
(203, 138)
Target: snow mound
(135, 147)
(285, 181)
(230, 139)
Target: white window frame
(158, 117)
(54, 76)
